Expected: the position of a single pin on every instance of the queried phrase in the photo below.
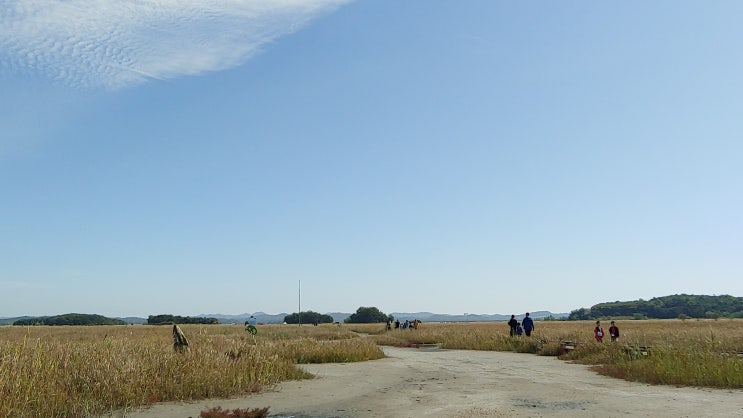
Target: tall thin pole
(299, 294)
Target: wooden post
(180, 343)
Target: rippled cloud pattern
(115, 44)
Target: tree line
(363, 315)
(308, 317)
(666, 307)
(69, 319)
(177, 319)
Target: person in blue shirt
(528, 325)
(250, 325)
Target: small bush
(218, 412)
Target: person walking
(614, 331)
(598, 332)
(250, 325)
(528, 325)
(513, 323)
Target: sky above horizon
(482, 157)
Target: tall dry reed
(89, 371)
(678, 352)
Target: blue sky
(480, 157)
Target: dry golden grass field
(90, 371)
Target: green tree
(367, 315)
(580, 314)
(308, 317)
(673, 306)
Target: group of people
(598, 332)
(405, 325)
(526, 326)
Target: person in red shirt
(598, 332)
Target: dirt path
(456, 383)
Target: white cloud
(119, 43)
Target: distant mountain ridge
(261, 317)
(265, 318)
(672, 306)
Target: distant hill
(339, 316)
(265, 318)
(665, 307)
(177, 319)
(261, 318)
(69, 319)
(134, 320)
(9, 321)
